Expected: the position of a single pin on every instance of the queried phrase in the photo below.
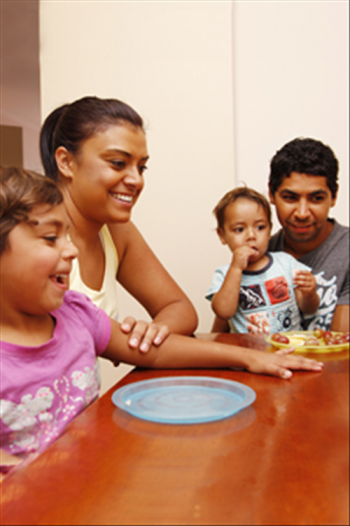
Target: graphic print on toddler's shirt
(251, 297)
(277, 289)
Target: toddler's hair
(20, 191)
(237, 193)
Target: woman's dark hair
(240, 193)
(20, 191)
(71, 124)
(304, 156)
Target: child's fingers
(301, 363)
(272, 368)
(282, 352)
(285, 372)
(281, 365)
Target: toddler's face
(35, 266)
(246, 224)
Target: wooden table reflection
(284, 460)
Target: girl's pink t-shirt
(43, 388)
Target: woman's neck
(83, 230)
(85, 234)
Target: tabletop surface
(283, 460)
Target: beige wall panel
(291, 79)
(172, 61)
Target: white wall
(172, 61)
(291, 79)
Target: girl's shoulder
(78, 304)
(79, 313)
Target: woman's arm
(183, 352)
(145, 278)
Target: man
(303, 187)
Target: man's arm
(340, 321)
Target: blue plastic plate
(184, 399)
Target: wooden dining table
(282, 460)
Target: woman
(96, 149)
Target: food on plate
(316, 338)
(328, 337)
(318, 333)
(312, 341)
(280, 338)
(335, 338)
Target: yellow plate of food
(310, 341)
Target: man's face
(302, 205)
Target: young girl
(257, 292)
(50, 336)
(96, 149)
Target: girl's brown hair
(20, 191)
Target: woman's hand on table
(143, 334)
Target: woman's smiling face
(105, 177)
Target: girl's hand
(281, 363)
(283, 352)
(305, 281)
(143, 334)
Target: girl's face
(36, 264)
(105, 177)
(246, 224)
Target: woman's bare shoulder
(124, 236)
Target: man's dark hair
(304, 156)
